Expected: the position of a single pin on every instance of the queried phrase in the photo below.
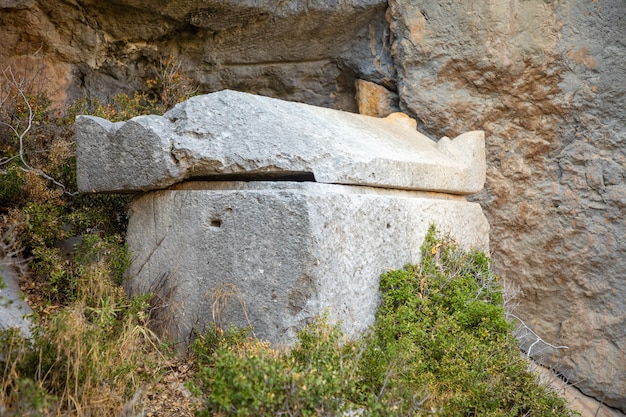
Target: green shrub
(440, 345)
(242, 376)
(442, 325)
(11, 184)
(91, 349)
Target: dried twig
(18, 86)
(538, 338)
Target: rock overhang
(232, 135)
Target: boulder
(14, 311)
(274, 255)
(545, 80)
(238, 134)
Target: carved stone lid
(231, 135)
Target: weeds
(88, 359)
(91, 350)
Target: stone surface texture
(13, 309)
(302, 50)
(234, 133)
(577, 401)
(276, 254)
(375, 100)
(545, 80)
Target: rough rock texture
(545, 79)
(577, 401)
(309, 51)
(375, 100)
(277, 254)
(239, 134)
(13, 308)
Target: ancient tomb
(256, 211)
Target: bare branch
(538, 338)
(18, 85)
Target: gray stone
(233, 133)
(545, 80)
(276, 254)
(301, 50)
(14, 311)
(16, 4)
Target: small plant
(243, 376)
(171, 85)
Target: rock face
(238, 134)
(309, 51)
(545, 80)
(276, 254)
(586, 406)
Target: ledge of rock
(234, 133)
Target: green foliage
(91, 348)
(63, 238)
(243, 376)
(20, 395)
(11, 183)
(441, 345)
(442, 325)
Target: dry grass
(88, 359)
(222, 296)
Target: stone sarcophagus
(265, 213)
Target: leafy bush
(243, 376)
(11, 184)
(441, 345)
(442, 325)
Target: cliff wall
(543, 78)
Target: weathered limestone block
(277, 212)
(233, 133)
(285, 251)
